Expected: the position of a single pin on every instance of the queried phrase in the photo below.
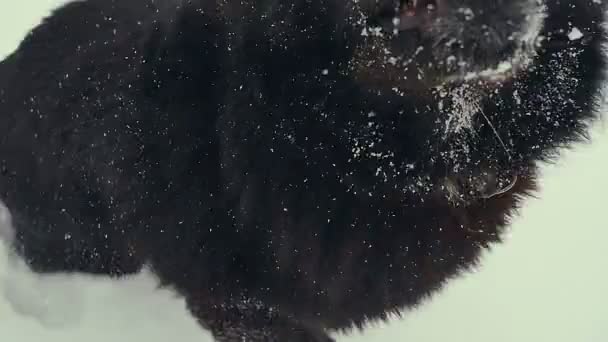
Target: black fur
(262, 161)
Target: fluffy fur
(290, 167)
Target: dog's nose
(415, 13)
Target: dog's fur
(284, 166)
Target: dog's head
(488, 86)
(426, 43)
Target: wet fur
(216, 147)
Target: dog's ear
(180, 49)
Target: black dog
(290, 167)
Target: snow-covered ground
(529, 289)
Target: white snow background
(529, 289)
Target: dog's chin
(468, 73)
(499, 72)
(493, 76)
